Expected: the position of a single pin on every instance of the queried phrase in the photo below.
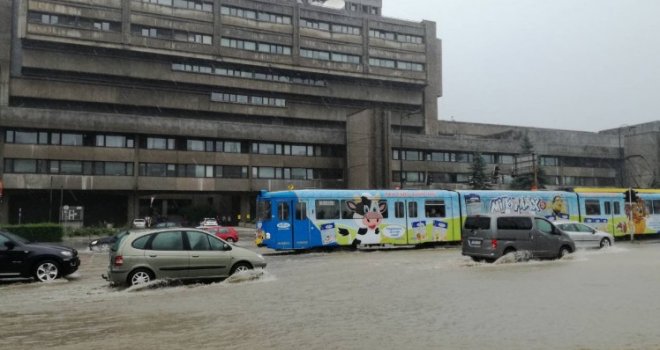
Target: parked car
(140, 223)
(209, 222)
(488, 237)
(229, 234)
(20, 258)
(139, 257)
(585, 236)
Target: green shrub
(37, 232)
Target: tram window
(656, 207)
(346, 212)
(399, 210)
(608, 208)
(263, 210)
(327, 209)
(617, 208)
(412, 209)
(434, 209)
(301, 211)
(283, 211)
(592, 207)
(383, 204)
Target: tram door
(613, 210)
(406, 212)
(284, 227)
(301, 234)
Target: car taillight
(493, 243)
(119, 260)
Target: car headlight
(66, 253)
(94, 242)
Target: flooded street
(403, 299)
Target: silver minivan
(139, 257)
(488, 237)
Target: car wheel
(240, 267)
(140, 276)
(509, 250)
(476, 259)
(230, 240)
(46, 271)
(564, 251)
(604, 243)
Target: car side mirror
(593, 231)
(226, 247)
(10, 245)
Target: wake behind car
(586, 236)
(488, 237)
(20, 258)
(138, 257)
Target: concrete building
(133, 108)
(118, 109)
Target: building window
(330, 56)
(252, 100)
(160, 143)
(330, 27)
(169, 34)
(256, 46)
(73, 21)
(255, 15)
(205, 6)
(391, 36)
(246, 74)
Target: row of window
(579, 162)
(403, 65)
(68, 139)
(333, 209)
(199, 5)
(330, 27)
(169, 143)
(76, 167)
(404, 38)
(246, 74)
(255, 15)
(442, 177)
(330, 56)
(67, 167)
(248, 100)
(255, 46)
(454, 157)
(171, 34)
(73, 21)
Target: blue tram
(306, 219)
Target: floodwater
(402, 299)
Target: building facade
(118, 109)
(133, 108)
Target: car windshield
(120, 238)
(15, 238)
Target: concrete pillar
(245, 207)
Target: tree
(480, 180)
(526, 181)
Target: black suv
(43, 261)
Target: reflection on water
(410, 299)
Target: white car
(140, 223)
(585, 236)
(209, 222)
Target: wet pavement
(402, 299)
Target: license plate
(475, 243)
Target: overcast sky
(564, 64)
